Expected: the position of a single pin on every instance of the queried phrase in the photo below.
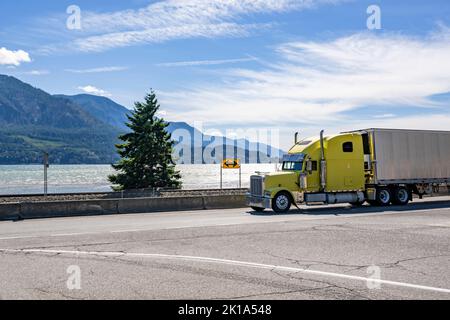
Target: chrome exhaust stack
(323, 164)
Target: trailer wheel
(384, 196)
(400, 196)
(282, 202)
(257, 209)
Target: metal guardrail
(24, 195)
(124, 194)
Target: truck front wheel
(282, 202)
(401, 196)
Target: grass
(41, 144)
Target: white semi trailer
(418, 159)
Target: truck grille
(256, 186)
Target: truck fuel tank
(332, 197)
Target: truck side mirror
(309, 165)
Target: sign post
(230, 164)
(221, 177)
(46, 165)
(240, 177)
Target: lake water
(28, 179)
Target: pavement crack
(48, 292)
(398, 263)
(272, 293)
(328, 284)
(306, 264)
(77, 246)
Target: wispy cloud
(95, 91)
(97, 70)
(37, 72)
(203, 62)
(321, 82)
(13, 58)
(424, 121)
(384, 116)
(176, 19)
(108, 41)
(190, 12)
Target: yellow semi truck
(380, 166)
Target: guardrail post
(221, 177)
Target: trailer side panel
(411, 156)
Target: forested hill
(33, 121)
(102, 108)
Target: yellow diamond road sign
(231, 164)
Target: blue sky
(287, 64)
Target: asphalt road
(335, 252)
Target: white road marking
(18, 237)
(71, 234)
(131, 230)
(231, 262)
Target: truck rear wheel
(400, 196)
(384, 197)
(282, 202)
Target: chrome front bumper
(258, 202)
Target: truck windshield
(291, 165)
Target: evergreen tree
(146, 151)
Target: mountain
(33, 121)
(22, 104)
(83, 129)
(102, 109)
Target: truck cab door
(312, 171)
